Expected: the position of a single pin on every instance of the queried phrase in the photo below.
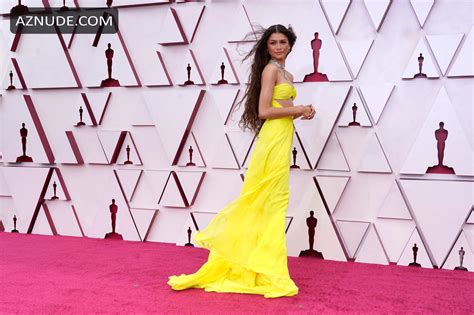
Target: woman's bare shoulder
(270, 71)
(270, 67)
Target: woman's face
(278, 46)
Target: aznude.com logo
(64, 20)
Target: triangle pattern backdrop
(367, 183)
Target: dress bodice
(283, 91)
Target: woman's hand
(307, 112)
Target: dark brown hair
(261, 56)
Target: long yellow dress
(246, 239)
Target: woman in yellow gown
(246, 239)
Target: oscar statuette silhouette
(294, 153)
(311, 222)
(23, 134)
(420, 66)
(415, 253)
(14, 225)
(11, 86)
(113, 216)
(316, 76)
(109, 55)
(461, 260)
(441, 136)
(189, 238)
(222, 80)
(188, 70)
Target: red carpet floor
(44, 274)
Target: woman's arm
(265, 108)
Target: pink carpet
(44, 274)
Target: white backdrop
(366, 184)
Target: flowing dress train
(246, 239)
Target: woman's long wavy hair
(261, 56)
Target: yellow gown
(246, 239)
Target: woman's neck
(280, 63)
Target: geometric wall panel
(352, 233)
(242, 144)
(141, 116)
(371, 250)
(201, 219)
(363, 197)
(394, 206)
(304, 16)
(174, 195)
(17, 78)
(335, 12)
(167, 225)
(225, 157)
(91, 63)
(332, 188)
(421, 57)
(61, 192)
(298, 155)
(128, 180)
(227, 72)
(377, 10)
(333, 157)
(96, 104)
(458, 153)
(374, 159)
(328, 101)
(180, 72)
(36, 142)
(171, 30)
(149, 189)
(43, 224)
(444, 47)
(93, 188)
(223, 100)
(376, 97)
(58, 114)
(301, 203)
(47, 67)
(219, 188)
(63, 217)
(7, 211)
(449, 201)
(144, 219)
(152, 151)
(191, 155)
(189, 18)
(160, 75)
(90, 146)
(453, 259)
(356, 52)
(160, 119)
(407, 256)
(394, 235)
(463, 65)
(26, 198)
(470, 219)
(190, 183)
(242, 30)
(4, 191)
(174, 126)
(422, 8)
(129, 152)
(354, 112)
(111, 142)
